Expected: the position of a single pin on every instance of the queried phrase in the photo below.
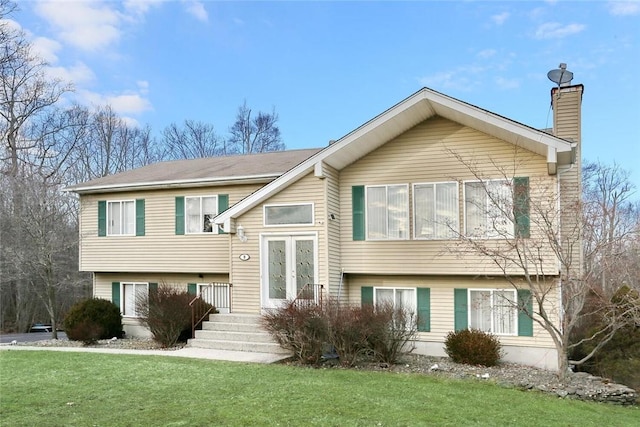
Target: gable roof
(420, 106)
(262, 167)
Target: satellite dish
(560, 76)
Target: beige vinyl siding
(245, 275)
(435, 151)
(567, 125)
(102, 281)
(333, 262)
(442, 308)
(160, 249)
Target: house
(375, 216)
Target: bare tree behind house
(611, 219)
(521, 236)
(192, 140)
(254, 134)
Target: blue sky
(328, 67)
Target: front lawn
(47, 388)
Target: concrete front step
(235, 332)
(253, 319)
(226, 335)
(255, 347)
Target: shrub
(349, 328)
(392, 332)
(167, 314)
(93, 319)
(473, 347)
(299, 328)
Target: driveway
(30, 337)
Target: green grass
(47, 388)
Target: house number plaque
(244, 257)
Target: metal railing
(211, 297)
(310, 294)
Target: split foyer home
(377, 215)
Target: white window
(299, 214)
(131, 292)
(435, 210)
(199, 214)
(488, 209)
(387, 212)
(121, 218)
(400, 298)
(493, 310)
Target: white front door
(288, 264)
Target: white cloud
(86, 25)
(500, 18)
(507, 84)
(197, 10)
(450, 80)
(77, 74)
(140, 7)
(143, 85)
(126, 103)
(46, 48)
(129, 103)
(555, 30)
(486, 53)
(624, 8)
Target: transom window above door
(298, 214)
(199, 214)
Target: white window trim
(366, 213)
(121, 222)
(214, 227)
(122, 297)
(457, 213)
(464, 207)
(514, 308)
(264, 214)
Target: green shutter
(223, 205)
(461, 321)
(357, 207)
(192, 288)
(179, 215)
(521, 206)
(115, 293)
(139, 217)
(153, 287)
(366, 295)
(525, 311)
(102, 218)
(424, 309)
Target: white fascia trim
(498, 121)
(154, 185)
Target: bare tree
(192, 140)
(257, 134)
(109, 145)
(611, 219)
(36, 227)
(520, 233)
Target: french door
(289, 263)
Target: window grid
(489, 209)
(130, 293)
(121, 218)
(436, 210)
(199, 214)
(493, 310)
(387, 212)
